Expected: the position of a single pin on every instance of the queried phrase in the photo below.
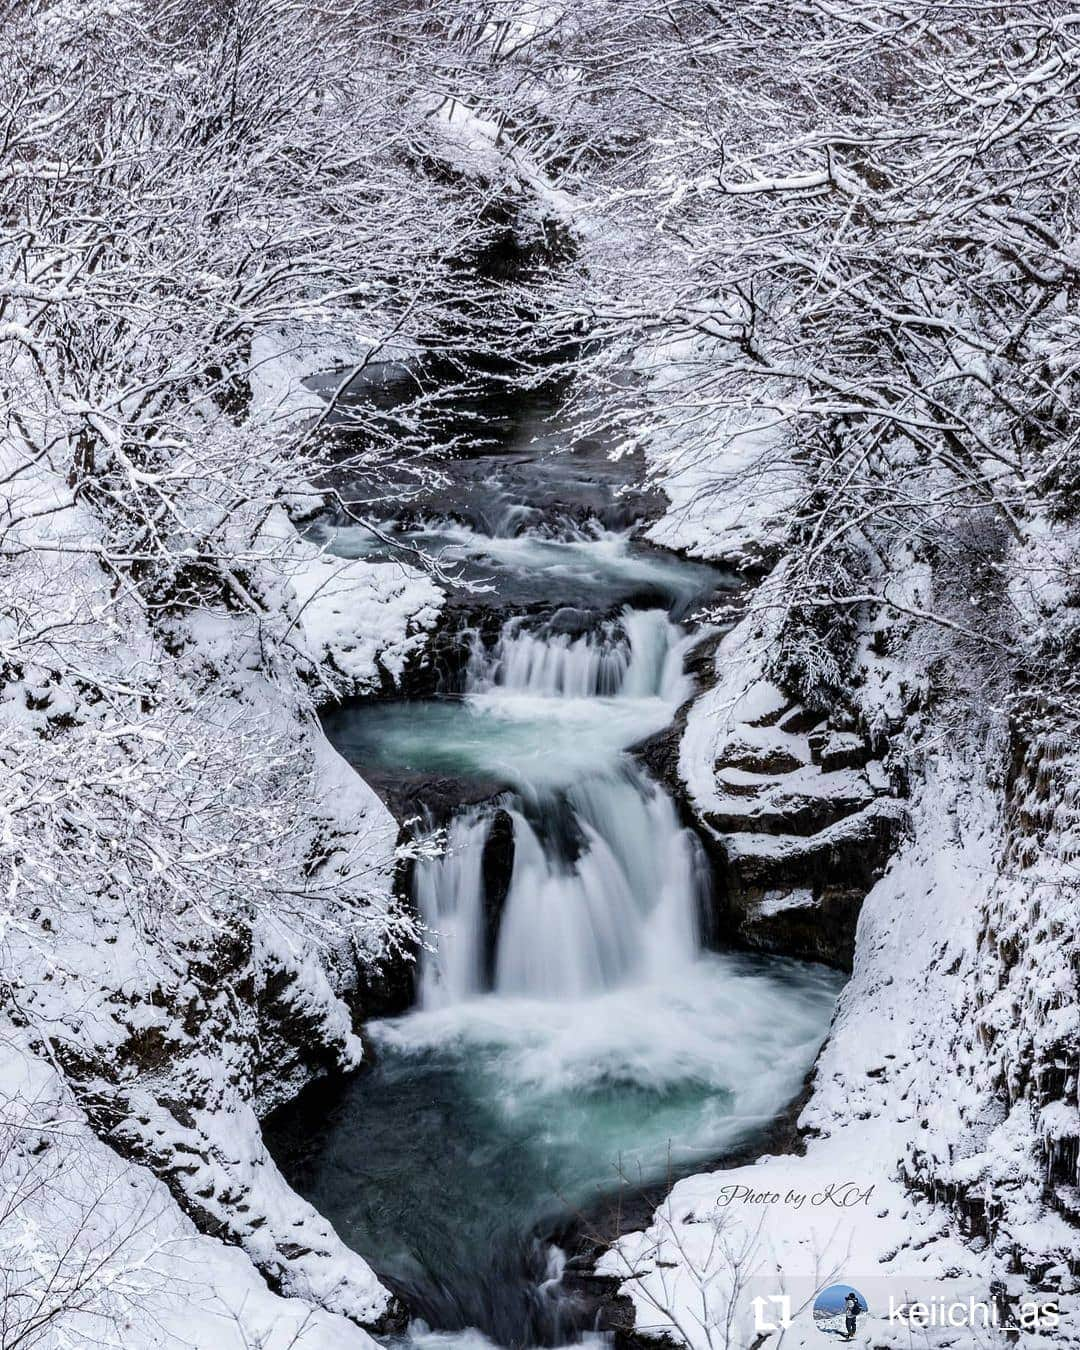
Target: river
(572, 1033)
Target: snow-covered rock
(801, 813)
(945, 1095)
(359, 622)
(95, 1250)
(193, 878)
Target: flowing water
(571, 1033)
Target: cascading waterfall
(640, 655)
(572, 1038)
(606, 885)
(449, 893)
(627, 905)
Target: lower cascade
(606, 886)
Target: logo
(838, 1311)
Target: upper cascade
(639, 655)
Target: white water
(640, 656)
(523, 719)
(585, 561)
(449, 893)
(685, 1063)
(580, 1036)
(625, 910)
(606, 884)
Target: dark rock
(497, 868)
(292, 1047)
(763, 759)
(800, 720)
(393, 1322)
(770, 718)
(839, 750)
(385, 988)
(781, 812)
(432, 798)
(802, 896)
(819, 927)
(660, 754)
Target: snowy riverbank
(174, 1028)
(904, 1128)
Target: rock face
(178, 1092)
(799, 813)
(803, 834)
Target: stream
(572, 1034)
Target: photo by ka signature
(836, 1194)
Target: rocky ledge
(805, 819)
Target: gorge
(573, 1034)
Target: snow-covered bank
(723, 1239)
(938, 1190)
(177, 1018)
(193, 879)
(357, 622)
(97, 1249)
(799, 803)
(940, 1128)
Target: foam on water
(588, 561)
(693, 1057)
(485, 1122)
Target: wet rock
(815, 926)
(291, 1047)
(758, 758)
(394, 1321)
(801, 896)
(497, 869)
(431, 799)
(386, 988)
(800, 720)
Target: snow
(360, 621)
(155, 997)
(703, 1260)
(740, 706)
(905, 1102)
(731, 490)
(776, 902)
(155, 1283)
(847, 787)
(732, 505)
(473, 145)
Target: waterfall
(624, 909)
(640, 655)
(449, 893)
(606, 887)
